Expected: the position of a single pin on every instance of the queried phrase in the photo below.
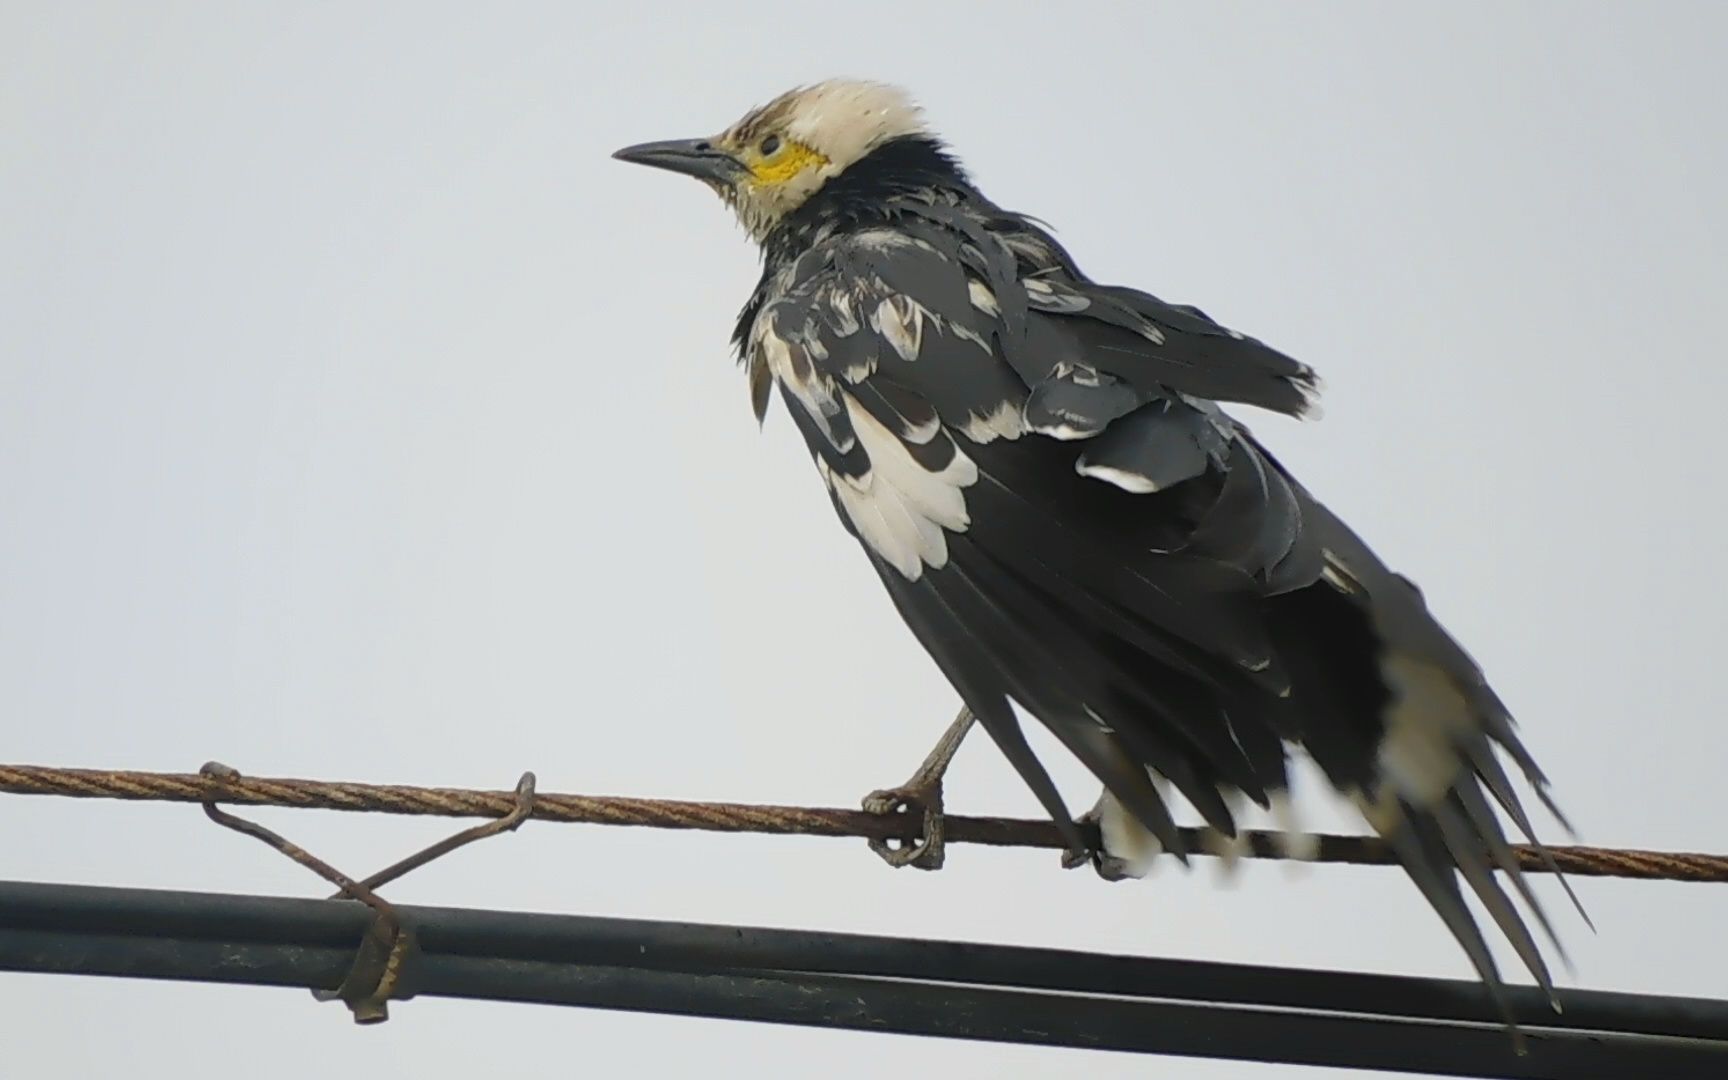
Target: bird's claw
(1108, 867)
(1111, 868)
(929, 849)
(1105, 865)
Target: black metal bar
(698, 947)
(694, 946)
(868, 983)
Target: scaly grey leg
(921, 794)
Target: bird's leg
(922, 794)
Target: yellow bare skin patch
(792, 159)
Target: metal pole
(988, 992)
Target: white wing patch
(965, 334)
(923, 431)
(900, 321)
(1045, 296)
(1130, 482)
(791, 363)
(1005, 421)
(900, 508)
(844, 314)
(982, 298)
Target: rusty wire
(748, 818)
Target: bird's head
(771, 161)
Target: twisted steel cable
(745, 817)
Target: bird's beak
(692, 157)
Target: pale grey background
(359, 418)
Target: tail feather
(1413, 835)
(1487, 826)
(1435, 752)
(1465, 845)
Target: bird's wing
(1036, 466)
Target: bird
(1041, 471)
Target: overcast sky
(360, 418)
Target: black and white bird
(1038, 468)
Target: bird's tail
(1421, 751)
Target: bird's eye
(770, 145)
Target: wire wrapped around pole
(748, 818)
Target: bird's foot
(928, 850)
(1109, 866)
(920, 795)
